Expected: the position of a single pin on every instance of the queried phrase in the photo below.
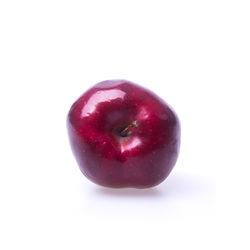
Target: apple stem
(128, 130)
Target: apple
(123, 135)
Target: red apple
(123, 135)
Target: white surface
(194, 54)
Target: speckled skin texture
(141, 157)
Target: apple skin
(123, 135)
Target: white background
(194, 54)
